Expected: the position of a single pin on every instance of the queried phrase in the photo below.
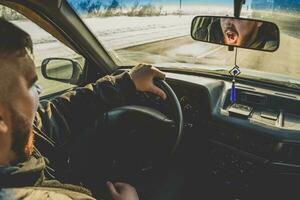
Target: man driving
(237, 32)
(31, 133)
(249, 34)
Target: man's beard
(22, 137)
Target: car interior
(203, 142)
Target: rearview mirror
(62, 70)
(237, 32)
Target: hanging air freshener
(233, 72)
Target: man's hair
(13, 39)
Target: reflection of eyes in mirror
(236, 32)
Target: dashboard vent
(254, 98)
(285, 95)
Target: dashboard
(246, 150)
(250, 142)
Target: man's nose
(229, 21)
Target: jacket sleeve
(77, 110)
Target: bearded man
(31, 133)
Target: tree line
(115, 8)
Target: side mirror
(237, 32)
(62, 70)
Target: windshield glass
(286, 60)
(158, 32)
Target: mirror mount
(238, 4)
(230, 48)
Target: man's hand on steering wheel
(122, 191)
(143, 74)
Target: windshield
(158, 32)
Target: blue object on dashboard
(233, 92)
(234, 72)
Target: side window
(44, 46)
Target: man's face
(22, 104)
(239, 32)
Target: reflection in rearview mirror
(238, 32)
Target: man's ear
(3, 121)
(3, 126)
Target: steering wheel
(145, 133)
